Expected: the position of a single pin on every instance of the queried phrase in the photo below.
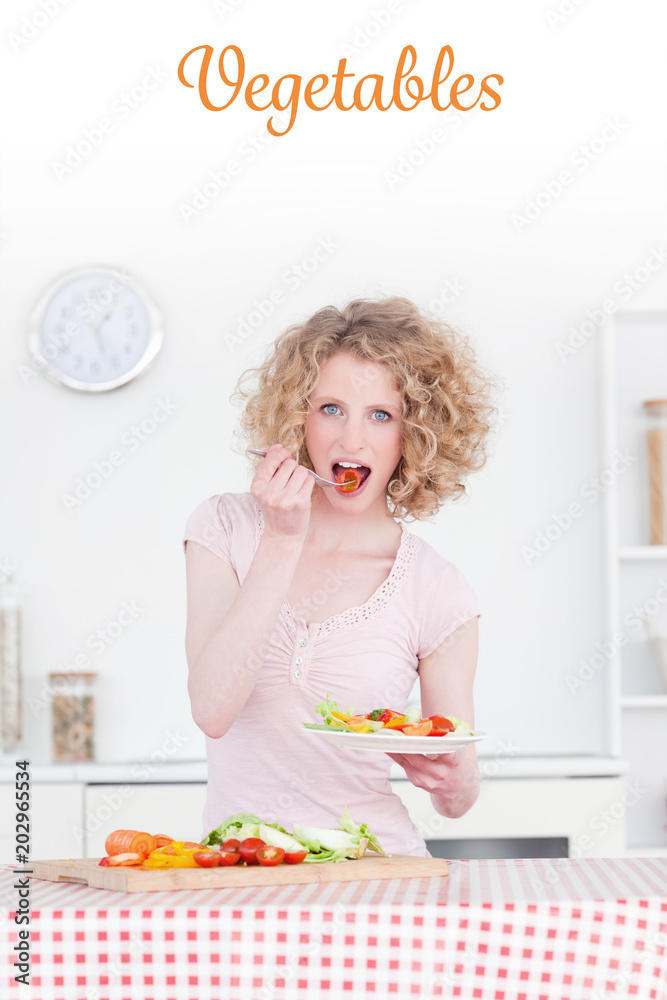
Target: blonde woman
(295, 591)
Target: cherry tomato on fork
(348, 480)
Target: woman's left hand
(452, 779)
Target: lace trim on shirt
(386, 592)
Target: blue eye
(335, 406)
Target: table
(550, 929)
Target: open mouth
(362, 470)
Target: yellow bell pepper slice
(395, 723)
(169, 861)
(359, 725)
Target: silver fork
(318, 479)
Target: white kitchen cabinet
(55, 814)
(589, 812)
(175, 809)
(72, 819)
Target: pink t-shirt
(366, 657)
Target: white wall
(450, 220)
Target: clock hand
(100, 342)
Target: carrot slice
(130, 858)
(422, 728)
(162, 840)
(129, 841)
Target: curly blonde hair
(447, 397)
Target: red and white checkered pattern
(495, 930)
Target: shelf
(644, 701)
(637, 552)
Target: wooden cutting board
(88, 872)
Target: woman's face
(355, 416)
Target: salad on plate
(386, 721)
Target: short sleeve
(450, 603)
(209, 524)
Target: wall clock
(95, 329)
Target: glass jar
(656, 440)
(73, 715)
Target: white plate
(399, 743)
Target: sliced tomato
(229, 858)
(104, 863)
(422, 728)
(207, 859)
(441, 722)
(295, 857)
(439, 732)
(348, 480)
(270, 856)
(231, 845)
(248, 849)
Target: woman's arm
(229, 627)
(446, 680)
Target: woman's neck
(370, 532)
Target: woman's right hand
(282, 488)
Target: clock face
(96, 330)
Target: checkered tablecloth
(495, 930)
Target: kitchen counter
(120, 772)
(494, 930)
